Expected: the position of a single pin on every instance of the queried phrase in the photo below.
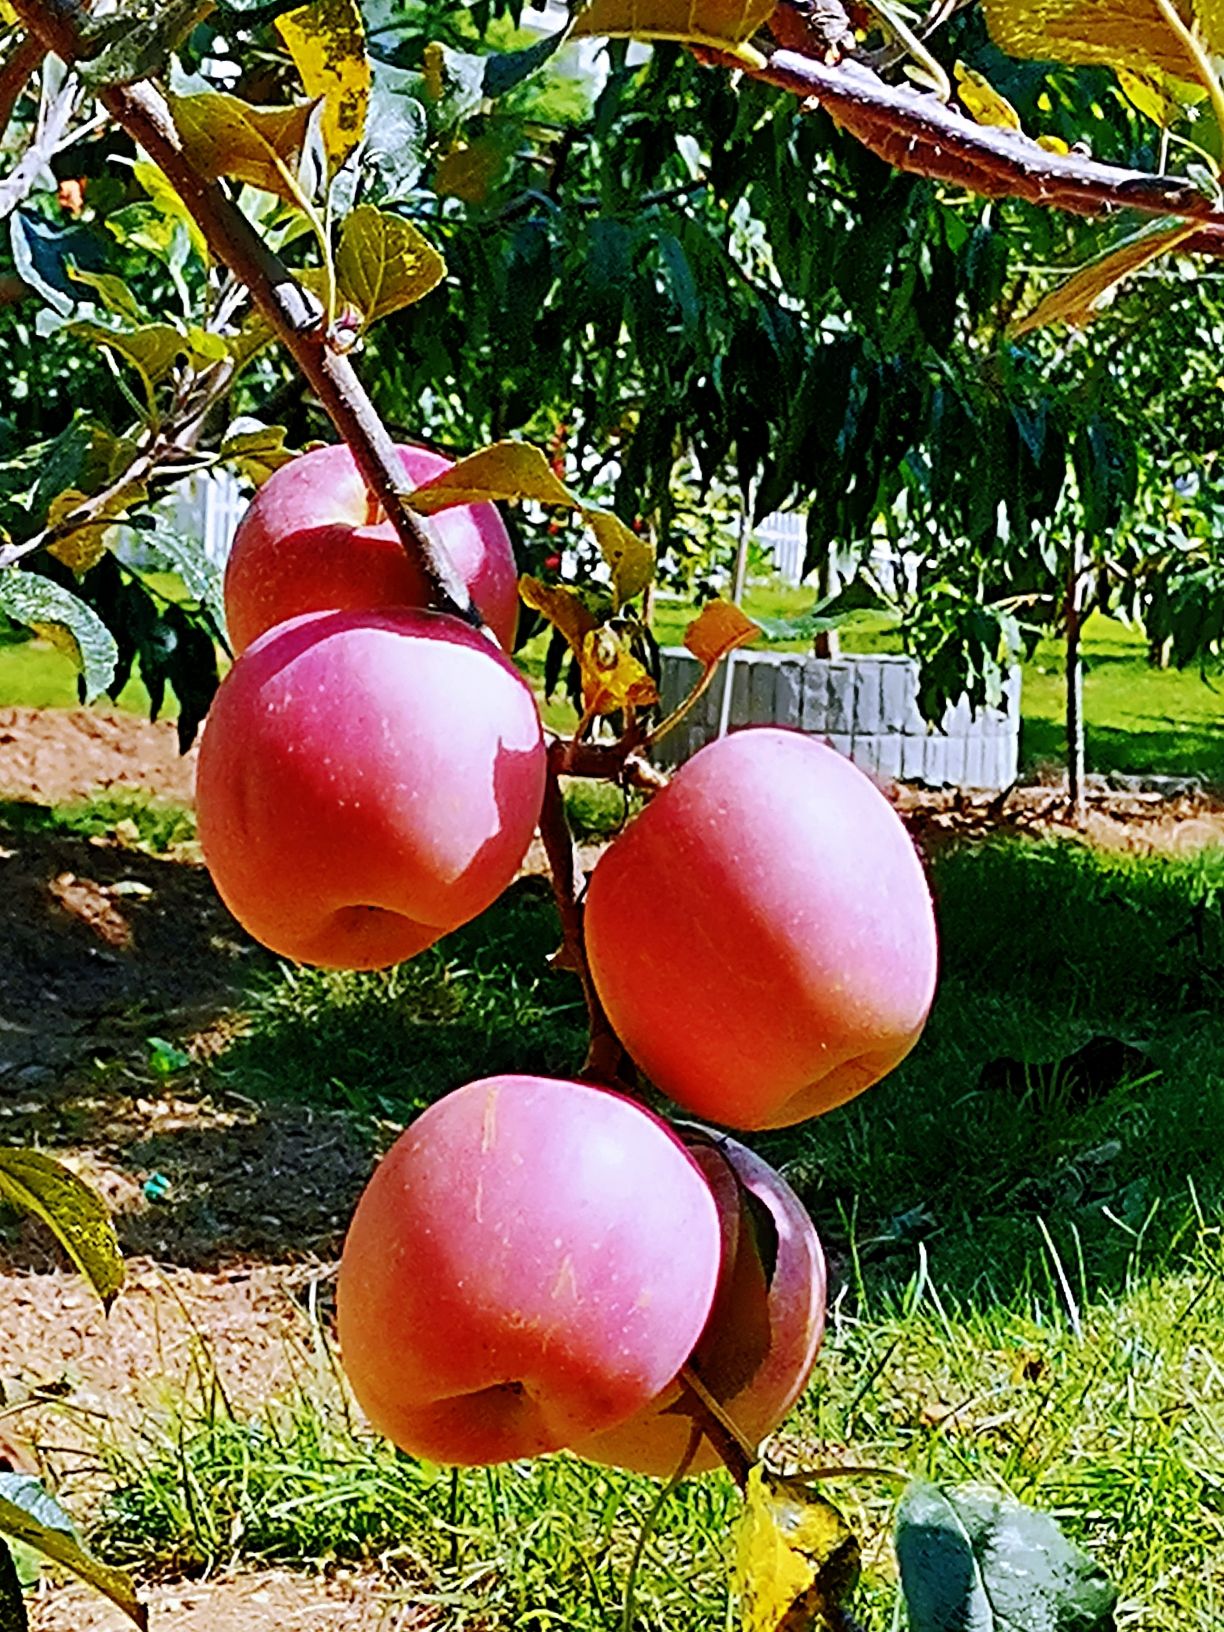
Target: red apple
(531, 1262)
(367, 782)
(313, 539)
(762, 935)
(760, 1342)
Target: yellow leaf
(225, 136)
(563, 609)
(1129, 33)
(796, 1558)
(612, 678)
(1210, 17)
(7, 15)
(384, 263)
(717, 23)
(718, 630)
(1054, 144)
(507, 470)
(327, 43)
(162, 194)
(1077, 301)
(630, 559)
(980, 99)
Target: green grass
(152, 825)
(1028, 1268)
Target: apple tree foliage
(679, 277)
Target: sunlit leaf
(1077, 301)
(326, 40)
(163, 196)
(563, 609)
(612, 677)
(516, 470)
(1129, 33)
(256, 450)
(151, 349)
(32, 600)
(84, 546)
(113, 293)
(796, 1558)
(225, 136)
(702, 22)
(384, 263)
(975, 1561)
(1147, 93)
(77, 1215)
(980, 99)
(30, 1516)
(719, 629)
(1209, 15)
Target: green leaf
(76, 1214)
(974, 1561)
(1077, 301)
(13, 1616)
(169, 205)
(36, 602)
(327, 43)
(503, 73)
(718, 23)
(150, 350)
(225, 136)
(383, 263)
(185, 555)
(113, 293)
(33, 1518)
(257, 450)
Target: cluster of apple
(541, 1264)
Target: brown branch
(918, 133)
(294, 316)
(16, 72)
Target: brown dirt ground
(103, 946)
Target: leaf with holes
(1129, 33)
(65, 620)
(224, 136)
(327, 43)
(717, 23)
(1077, 301)
(77, 1215)
(974, 1561)
(797, 1560)
(30, 1516)
(717, 631)
(384, 263)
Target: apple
(761, 935)
(314, 539)
(531, 1263)
(367, 782)
(760, 1342)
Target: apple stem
(737, 1454)
(294, 315)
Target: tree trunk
(738, 580)
(828, 642)
(1073, 613)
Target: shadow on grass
(1169, 750)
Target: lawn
(1024, 1235)
(1139, 719)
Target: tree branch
(918, 133)
(16, 72)
(294, 316)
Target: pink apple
(313, 539)
(760, 1343)
(367, 782)
(532, 1262)
(762, 935)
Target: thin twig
(294, 316)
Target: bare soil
(231, 1212)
